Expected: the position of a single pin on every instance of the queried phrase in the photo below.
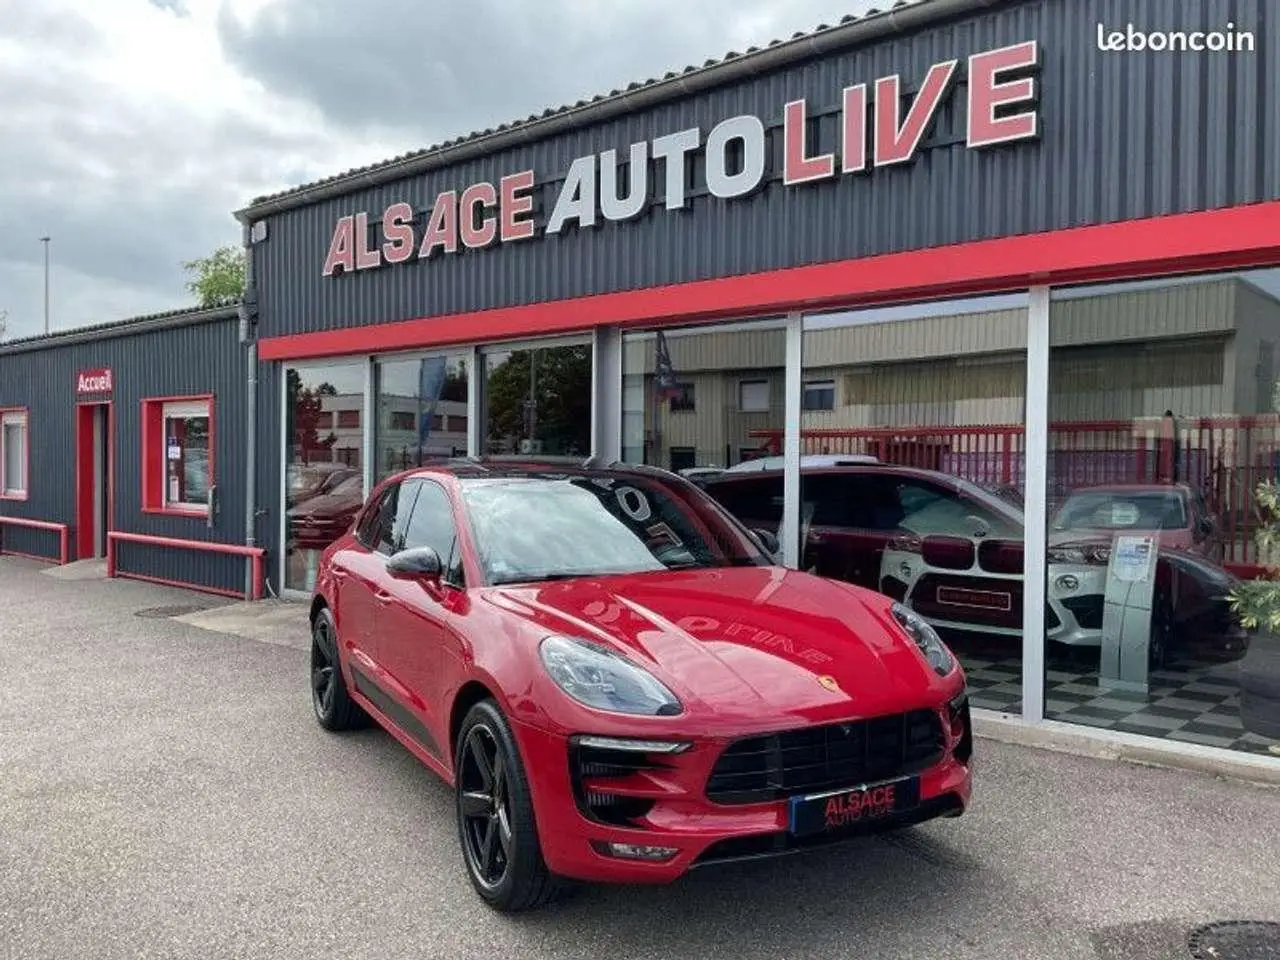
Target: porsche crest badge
(829, 683)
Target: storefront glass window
(1163, 432)
(324, 475)
(702, 399)
(187, 468)
(912, 470)
(422, 412)
(537, 400)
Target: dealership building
(1010, 242)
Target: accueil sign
(1001, 109)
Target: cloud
(133, 128)
(448, 67)
(128, 140)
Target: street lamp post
(45, 241)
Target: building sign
(1001, 106)
(94, 381)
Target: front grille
(760, 769)
(982, 601)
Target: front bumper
(681, 818)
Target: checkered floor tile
(1194, 703)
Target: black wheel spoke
(504, 833)
(487, 849)
(322, 678)
(476, 804)
(484, 766)
(499, 780)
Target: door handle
(383, 597)
(338, 575)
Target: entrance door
(93, 479)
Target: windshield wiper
(539, 578)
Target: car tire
(330, 700)
(494, 812)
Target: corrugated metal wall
(1124, 135)
(201, 358)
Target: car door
(855, 515)
(415, 619)
(356, 572)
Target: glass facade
(912, 469)
(537, 400)
(324, 477)
(1163, 431)
(421, 411)
(702, 398)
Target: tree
(4, 323)
(218, 277)
(1257, 602)
(557, 410)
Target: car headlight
(601, 679)
(927, 639)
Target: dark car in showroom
(619, 683)
(952, 551)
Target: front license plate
(832, 812)
(975, 599)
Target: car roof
(511, 467)
(1181, 488)
(810, 460)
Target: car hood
(1169, 539)
(326, 506)
(743, 642)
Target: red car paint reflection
(319, 520)
(605, 654)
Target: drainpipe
(251, 408)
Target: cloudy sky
(132, 128)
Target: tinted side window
(431, 525)
(371, 519)
(756, 499)
(830, 495)
(872, 503)
(383, 530)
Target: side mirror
(416, 563)
(768, 541)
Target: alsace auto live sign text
(1001, 110)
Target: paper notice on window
(1132, 559)
(175, 453)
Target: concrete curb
(1129, 748)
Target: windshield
(1110, 510)
(540, 528)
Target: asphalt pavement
(164, 792)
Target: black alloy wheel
(333, 706)
(496, 825)
(484, 808)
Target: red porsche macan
(619, 682)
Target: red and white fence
(1223, 457)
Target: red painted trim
(86, 547)
(255, 555)
(1230, 238)
(153, 454)
(60, 529)
(26, 457)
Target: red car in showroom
(618, 682)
